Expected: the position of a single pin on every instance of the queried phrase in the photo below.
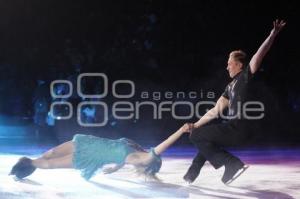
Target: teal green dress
(92, 152)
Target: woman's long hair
(150, 169)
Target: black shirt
(236, 93)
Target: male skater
(209, 139)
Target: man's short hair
(239, 55)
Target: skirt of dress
(92, 152)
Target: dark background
(160, 45)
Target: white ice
(269, 181)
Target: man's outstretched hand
(277, 26)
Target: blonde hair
(239, 55)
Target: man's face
(233, 67)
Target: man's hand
(187, 128)
(277, 26)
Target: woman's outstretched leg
(53, 163)
(58, 157)
(62, 150)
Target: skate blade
(240, 172)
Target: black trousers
(211, 140)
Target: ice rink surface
(273, 174)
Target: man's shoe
(233, 169)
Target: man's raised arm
(257, 58)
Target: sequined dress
(92, 152)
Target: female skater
(87, 153)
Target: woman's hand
(187, 128)
(108, 170)
(111, 169)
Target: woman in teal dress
(88, 153)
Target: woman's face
(139, 158)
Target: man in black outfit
(211, 138)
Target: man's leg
(195, 168)
(211, 139)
